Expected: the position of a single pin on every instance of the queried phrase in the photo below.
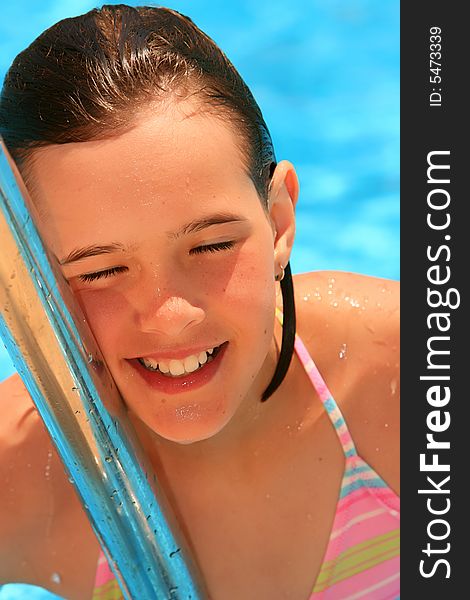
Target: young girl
(154, 183)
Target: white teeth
(164, 367)
(179, 367)
(176, 367)
(191, 363)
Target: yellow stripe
(363, 549)
(108, 591)
(365, 545)
(363, 556)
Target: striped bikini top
(362, 556)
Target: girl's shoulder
(350, 325)
(42, 525)
(353, 307)
(22, 454)
(26, 461)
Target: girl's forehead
(147, 182)
(168, 152)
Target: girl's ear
(283, 196)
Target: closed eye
(212, 247)
(87, 277)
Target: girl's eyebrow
(191, 227)
(93, 250)
(199, 224)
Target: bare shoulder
(350, 324)
(21, 445)
(43, 529)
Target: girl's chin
(186, 424)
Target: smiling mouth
(176, 369)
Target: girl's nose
(171, 317)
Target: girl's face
(165, 243)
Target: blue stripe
(355, 485)
(354, 470)
(330, 405)
(339, 423)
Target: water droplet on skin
(354, 303)
(56, 578)
(47, 471)
(268, 496)
(386, 425)
(393, 386)
(342, 351)
(307, 297)
(329, 292)
(334, 304)
(309, 516)
(377, 449)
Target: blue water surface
(326, 75)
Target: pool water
(326, 75)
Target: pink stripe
(312, 373)
(364, 531)
(345, 438)
(359, 532)
(103, 572)
(384, 495)
(363, 580)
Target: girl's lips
(176, 385)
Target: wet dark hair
(87, 78)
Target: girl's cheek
(249, 267)
(103, 311)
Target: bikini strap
(324, 393)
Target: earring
(280, 276)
